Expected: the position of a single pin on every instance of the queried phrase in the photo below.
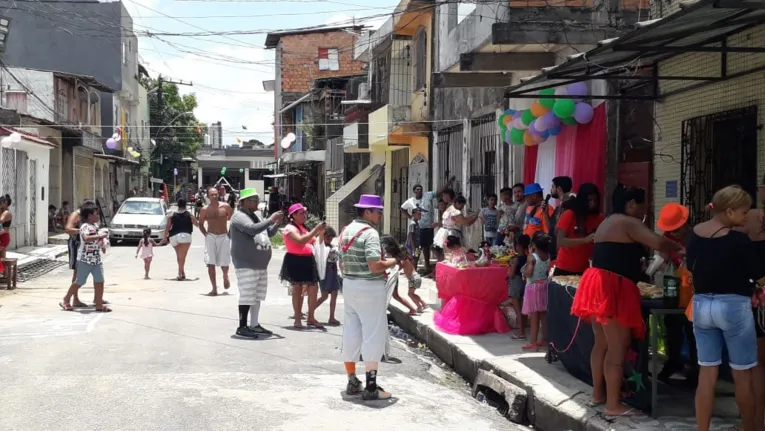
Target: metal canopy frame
(702, 26)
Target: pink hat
(295, 208)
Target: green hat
(248, 193)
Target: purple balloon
(540, 124)
(544, 135)
(577, 89)
(518, 124)
(111, 144)
(554, 131)
(507, 137)
(551, 120)
(533, 128)
(583, 113)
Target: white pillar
(199, 177)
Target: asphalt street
(167, 359)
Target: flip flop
(103, 309)
(65, 307)
(594, 404)
(517, 336)
(334, 323)
(627, 413)
(211, 294)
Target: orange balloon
(537, 139)
(528, 139)
(538, 110)
(507, 119)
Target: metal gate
(485, 155)
(83, 178)
(21, 200)
(399, 193)
(33, 203)
(449, 145)
(716, 151)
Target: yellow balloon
(130, 149)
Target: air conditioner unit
(363, 91)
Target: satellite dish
(288, 140)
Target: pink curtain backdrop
(580, 151)
(530, 164)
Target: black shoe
(354, 386)
(377, 394)
(260, 330)
(246, 332)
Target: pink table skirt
(471, 298)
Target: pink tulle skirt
(535, 297)
(463, 315)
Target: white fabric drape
(546, 164)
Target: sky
(227, 71)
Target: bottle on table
(671, 286)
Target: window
(16, 101)
(329, 59)
(420, 58)
(464, 9)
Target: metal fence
(399, 193)
(449, 148)
(487, 160)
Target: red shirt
(576, 259)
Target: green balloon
(516, 135)
(527, 117)
(564, 108)
(547, 102)
(501, 121)
(570, 121)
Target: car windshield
(141, 207)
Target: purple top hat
(370, 202)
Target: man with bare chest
(213, 222)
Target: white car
(136, 214)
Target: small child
(536, 272)
(490, 218)
(413, 236)
(146, 249)
(517, 284)
(415, 281)
(459, 255)
(332, 283)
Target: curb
(541, 412)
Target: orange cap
(672, 217)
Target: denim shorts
(724, 321)
(84, 270)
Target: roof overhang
(116, 159)
(300, 100)
(29, 137)
(701, 26)
(303, 157)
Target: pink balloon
(518, 124)
(583, 113)
(111, 144)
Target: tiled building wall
(731, 94)
(300, 58)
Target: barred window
(420, 58)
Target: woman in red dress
(608, 295)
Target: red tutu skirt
(5, 240)
(608, 297)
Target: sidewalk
(552, 399)
(27, 255)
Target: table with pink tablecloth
(470, 299)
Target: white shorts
(365, 330)
(217, 250)
(180, 238)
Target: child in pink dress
(146, 250)
(536, 272)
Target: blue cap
(532, 188)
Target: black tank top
(181, 223)
(623, 258)
(6, 223)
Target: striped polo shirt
(364, 248)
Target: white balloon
(15, 137)
(6, 142)
(115, 136)
(291, 137)
(118, 138)
(153, 142)
(518, 124)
